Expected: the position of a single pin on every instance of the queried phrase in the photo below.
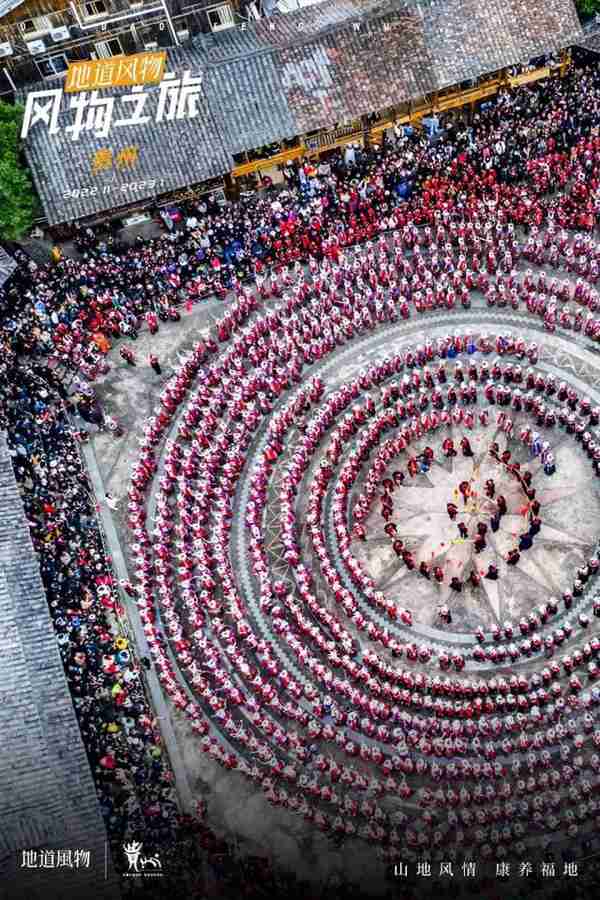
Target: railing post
(364, 121)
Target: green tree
(587, 8)
(17, 198)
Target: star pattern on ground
(422, 522)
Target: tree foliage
(587, 8)
(17, 199)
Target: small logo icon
(139, 864)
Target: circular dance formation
(482, 508)
(322, 430)
(497, 502)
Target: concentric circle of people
(373, 724)
(213, 460)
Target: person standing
(475, 578)
(128, 355)
(112, 424)
(513, 557)
(448, 448)
(525, 541)
(480, 543)
(445, 615)
(465, 446)
(549, 464)
(153, 360)
(111, 502)
(465, 490)
(534, 526)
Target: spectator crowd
(529, 160)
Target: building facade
(39, 38)
(264, 87)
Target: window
(220, 17)
(56, 20)
(105, 49)
(94, 9)
(32, 27)
(55, 65)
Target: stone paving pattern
(570, 514)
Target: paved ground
(570, 512)
(131, 392)
(235, 807)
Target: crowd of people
(213, 460)
(492, 505)
(263, 355)
(456, 208)
(120, 732)
(519, 151)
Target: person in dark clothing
(525, 541)
(128, 355)
(452, 510)
(153, 360)
(465, 446)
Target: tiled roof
(7, 6)
(229, 44)
(314, 20)
(246, 97)
(468, 38)
(48, 799)
(541, 27)
(347, 73)
(173, 154)
(293, 73)
(590, 41)
(7, 266)
(334, 62)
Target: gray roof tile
(590, 41)
(294, 73)
(246, 97)
(7, 266)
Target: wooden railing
(279, 159)
(527, 77)
(437, 103)
(326, 140)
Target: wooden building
(39, 38)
